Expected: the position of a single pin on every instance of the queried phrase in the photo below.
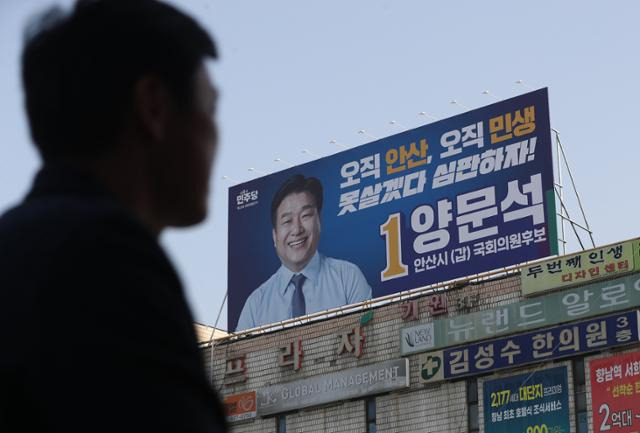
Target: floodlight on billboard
(456, 197)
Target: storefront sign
(291, 354)
(239, 407)
(468, 301)
(236, 371)
(437, 304)
(578, 268)
(527, 403)
(352, 341)
(342, 385)
(615, 393)
(572, 304)
(410, 310)
(533, 347)
(419, 338)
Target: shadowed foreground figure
(95, 332)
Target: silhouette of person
(97, 335)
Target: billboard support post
(564, 212)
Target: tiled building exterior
(447, 406)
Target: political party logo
(246, 199)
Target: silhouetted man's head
(295, 216)
(117, 81)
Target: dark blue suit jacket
(95, 333)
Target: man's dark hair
(296, 183)
(79, 69)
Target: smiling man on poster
(307, 281)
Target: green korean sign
(581, 267)
(566, 306)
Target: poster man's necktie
(298, 306)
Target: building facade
(551, 346)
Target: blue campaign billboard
(531, 402)
(456, 197)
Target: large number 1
(391, 232)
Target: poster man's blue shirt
(329, 283)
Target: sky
(295, 75)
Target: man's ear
(273, 232)
(152, 105)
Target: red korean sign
(615, 393)
(239, 407)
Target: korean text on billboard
(456, 197)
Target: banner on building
(533, 347)
(341, 385)
(535, 402)
(615, 393)
(456, 197)
(239, 407)
(572, 304)
(579, 268)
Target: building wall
(435, 409)
(425, 408)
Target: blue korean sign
(460, 196)
(535, 402)
(532, 347)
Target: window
(472, 406)
(580, 395)
(370, 404)
(281, 424)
